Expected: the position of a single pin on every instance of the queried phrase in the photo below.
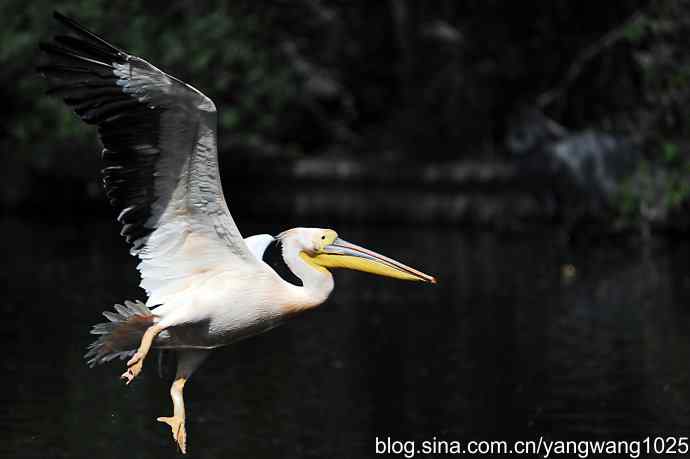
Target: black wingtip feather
(81, 71)
(62, 52)
(91, 49)
(83, 31)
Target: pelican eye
(323, 237)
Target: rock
(441, 32)
(529, 130)
(587, 167)
(595, 162)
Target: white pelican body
(235, 303)
(206, 285)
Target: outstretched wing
(159, 136)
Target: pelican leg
(135, 364)
(187, 361)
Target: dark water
(507, 346)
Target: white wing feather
(160, 134)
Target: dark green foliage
(435, 79)
(218, 48)
(226, 51)
(660, 117)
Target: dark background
(554, 111)
(534, 156)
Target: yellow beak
(343, 254)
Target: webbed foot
(179, 432)
(134, 366)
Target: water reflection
(504, 347)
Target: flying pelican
(206, 285)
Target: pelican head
(322, 249)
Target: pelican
(206, 286)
